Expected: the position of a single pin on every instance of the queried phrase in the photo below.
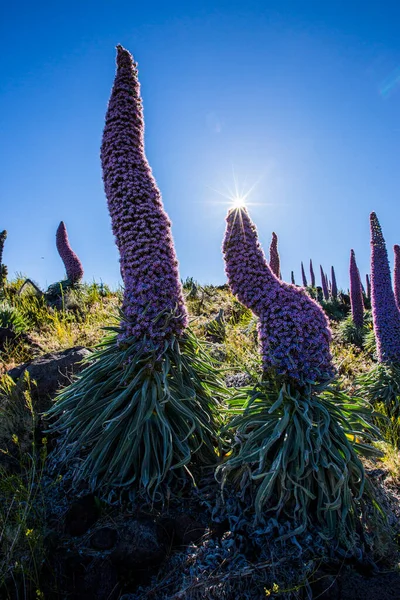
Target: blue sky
(301, 98)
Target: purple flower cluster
(303, 275)
(324, 283)
(385, 313)
(153, 304)
(274, 260)
(73, 265)
(333, 284)
(293, 330)
(356, 297)
(312, 275)
(396, 274)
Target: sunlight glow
(238, 202)
(238, 196)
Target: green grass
(22, 512)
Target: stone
(104, 538)
(139, 544)
(81, 515)
(51, 372)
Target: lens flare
(238, 202)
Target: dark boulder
(139, 543)
(81, 515)
(51, 372)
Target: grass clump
(22, 513)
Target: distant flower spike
(303, 276)
(3, 237)
(361, 283)
(3, 268)
(356, 298)
(396, 277)
(324, 284)
(312, 275)
(368, 286)
(292, 278)
(385, 313)
(73, 265)
(293, 330)
(140, 224)
(334, 284)
(274, 260)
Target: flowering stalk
(140, 225)
(386, 316)
(324, 284)
(3, 268)
(274, 260)
(73, 265)
(334, 284)
(292, 278)
(312, 274)
(148, 400)
(361, 283)
(303, 276)
(396, 274)
(294, 423)
(356, 297)
(367, 280)
(293, 330)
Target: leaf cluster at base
(139, 416)
(296, 453)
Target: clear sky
(301, 98)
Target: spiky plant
(12, 318)
(324, 284)
(3, 268)
(396, 274)
(368, 288)
(385, 313)
(298, 452)
(356, 297)
(334, 290)
(382, 384)
(353, 329)
(144, 410)
(350, 333)
(312, 275)
(274, 260)
(73, 265)
(303, 276)
(295, 432)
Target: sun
(239, 202)
(237, 197)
